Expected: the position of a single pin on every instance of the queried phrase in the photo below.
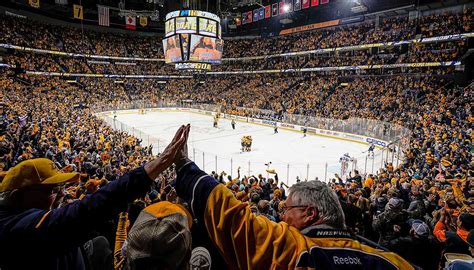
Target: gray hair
(320, 196)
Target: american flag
(104, 16)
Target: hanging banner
(34, 3)
(275, 10)
(314, 3)
(256, 15)
(268, 11)
(324, 2)
(143, 21)
(249, 17)
(131, 22)
(297, 5)
(261, 13)
(78, 12)
(282, 8)
(104, 18)
(289, 4)
(244, 18)
(305, 4)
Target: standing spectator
(390, 223)
(47, 238)
(419, 247)
(312, 236)
(455, 241)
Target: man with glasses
(35, 235)
(312, 236)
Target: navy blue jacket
(42, 239)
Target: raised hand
(167, 157)
(181, 156)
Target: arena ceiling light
(286, 8)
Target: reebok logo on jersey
(346, 260)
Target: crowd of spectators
(415, 53)
(51, 118)
(419, 209)
(25, 32)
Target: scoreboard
(192, 39)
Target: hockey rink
(291, 155)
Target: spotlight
(286, 8)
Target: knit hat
(162, 234)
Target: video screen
(206, 49)
(207, 27)
(172, 49)
(186, 25)
(169, 28)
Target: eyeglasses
(285, 208)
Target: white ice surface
(291, 154)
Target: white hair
(320, 196)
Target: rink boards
(219, 149)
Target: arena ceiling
(229, 9)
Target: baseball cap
(161, 233)
(421, 229)
(394, 203)
(39, 171)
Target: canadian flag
(131, 22)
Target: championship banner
(143, 21)
(324, 2)
(314, 3)
(297, 5)
(275, 9)
(244, 18)
(305, 4)
(268, 11)
(256, 15)
(34, 3)
(78, 12)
